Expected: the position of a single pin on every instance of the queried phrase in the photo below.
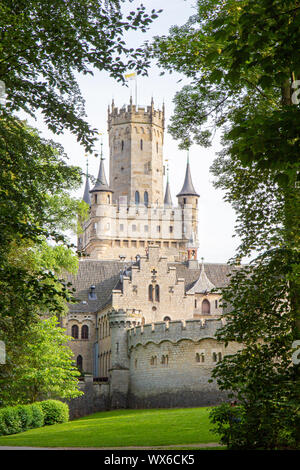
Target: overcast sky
(216, 218)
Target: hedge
(15, 419)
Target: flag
(130, 76)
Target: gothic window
(141, 144)
(146, 198)
(75, 331)
(79, 362)
(150, 292)
(205, 307)
(157, 293)
(137, 197)
(85, 332)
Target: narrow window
(150, 292)
(197, 357)
(95, 198)
(156, 147)
(157, 293)
(215, 358)
(75, 331)
(195, 303)
(79, 362)
(219, 356)
(216, 303)
(122, 145)
(146, 198)
(205, 307)
(141, 144)
(137, 197)
(85, 332)
(108, 199)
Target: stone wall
(171, 366)
(95, 398)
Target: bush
(26, 416)
(10, 421)
(14, 419)
(54, 411)
(37, 416)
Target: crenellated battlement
(173, 331)
(135, 114)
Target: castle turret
(168, 198)
(136, 136)
(120, 323)
(189, 196)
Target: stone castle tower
(132, 211)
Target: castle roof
(86, 195)
(168, 198)
(188, 187)
(105, 276)
(101, 183)
(203, 284)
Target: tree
(240, 58)
(43, 366)
(43, 45)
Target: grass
(123, 428)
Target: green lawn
(122, 428)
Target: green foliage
(54, 411)
(240, 58)
(44, 45)
(15, 419)
(41, 366)
(37, 415)
(25, 413)
(10, 421)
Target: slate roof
(216, 273)
(101, 183)
(188, 187)
(105, 276)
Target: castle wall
(171, 360)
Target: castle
(144, 326)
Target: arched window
(167, 319)
(146, 198)
(137, 197)
(205, 307)
(79, 362)
(74, 331)
(141, 144)
(150, 292)
(157, 293)
(85, 332)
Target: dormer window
(92, 293)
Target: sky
(216, 218)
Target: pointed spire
(101, 183)
(86, 195)
(168, 198)
(188, 187)
(203, 284)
